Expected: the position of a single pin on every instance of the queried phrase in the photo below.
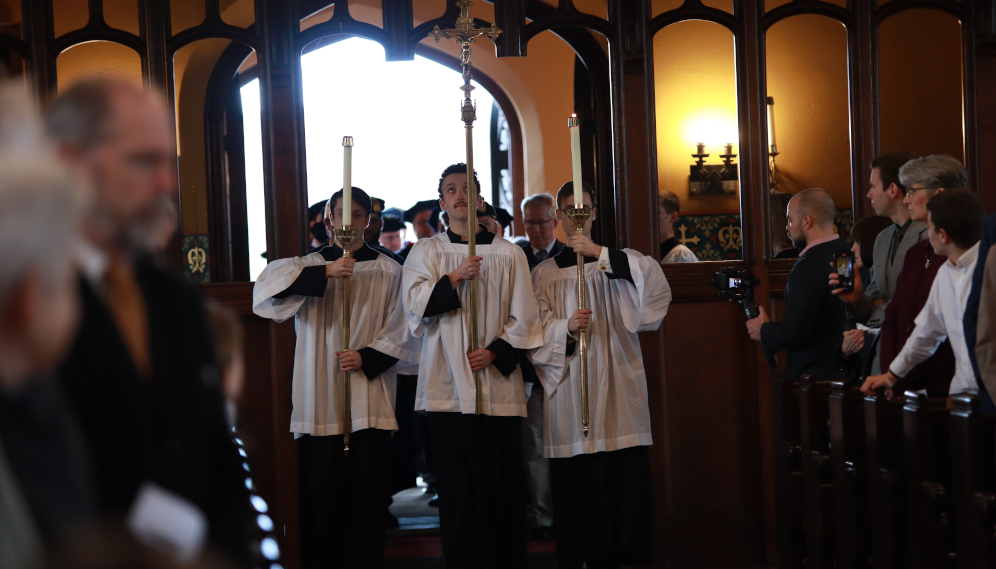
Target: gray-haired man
(539, 215)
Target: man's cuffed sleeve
(375, 362)
(443, 299)
(311, 282)
(506, 357)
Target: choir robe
(477, 458)
(335, 489)
(628, 294)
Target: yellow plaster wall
(696, 101)
(921, 84)
(807, 76)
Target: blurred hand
(580, 320)
(350, 361)
(342, 267)
(468, 270)
(854, 341)
(873, 382)
(754, 324)
(853, 297)
(582, 244)
(480, 359)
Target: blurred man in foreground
(142, 377)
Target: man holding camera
(814, 319)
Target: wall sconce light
(713, 179)
(772, 143)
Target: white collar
(92, 261)
(967, 259)
(548, 249)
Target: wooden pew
(886, 475)
(791, 533)
(814, 417)
(926, 430)
(973, 448)
(852, 540)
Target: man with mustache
(141, 376)
(477, 459)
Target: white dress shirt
(940, 319)
(548, 250)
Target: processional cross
(466, 33)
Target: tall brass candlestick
(465, 33)
(346, 236)
(579, 216)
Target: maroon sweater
(934, 374)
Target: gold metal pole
(465, 33)
(579, 216)
(346, 237)
(472, 251)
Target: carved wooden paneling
(709, 389)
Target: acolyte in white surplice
(627, 293)
(297, 287)
(506, 311)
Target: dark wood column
(286, 200)
(862, 47)
(38, 34)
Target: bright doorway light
(403, 116)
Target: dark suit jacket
(971, 319)
(528, 371)
(912, 289)
(811, 328)
(169, 430)
(557, 247)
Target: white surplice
(376, 321)
(506, 310)
(619, 413)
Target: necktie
(127, 306)
(540, 256)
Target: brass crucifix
(466, 33)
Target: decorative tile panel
(718, 237)
(196, 258)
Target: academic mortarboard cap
(377, 205)
(418, 208)
(489, 211)
(317, 208)
(393, 212)
(504, 218)
(392, 223)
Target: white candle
(772, 144)
(347, 181)
(575, 127)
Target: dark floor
(415, 543)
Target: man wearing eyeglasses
(539, 214)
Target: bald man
(814, 319)
(141, 376)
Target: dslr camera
(734, 285)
